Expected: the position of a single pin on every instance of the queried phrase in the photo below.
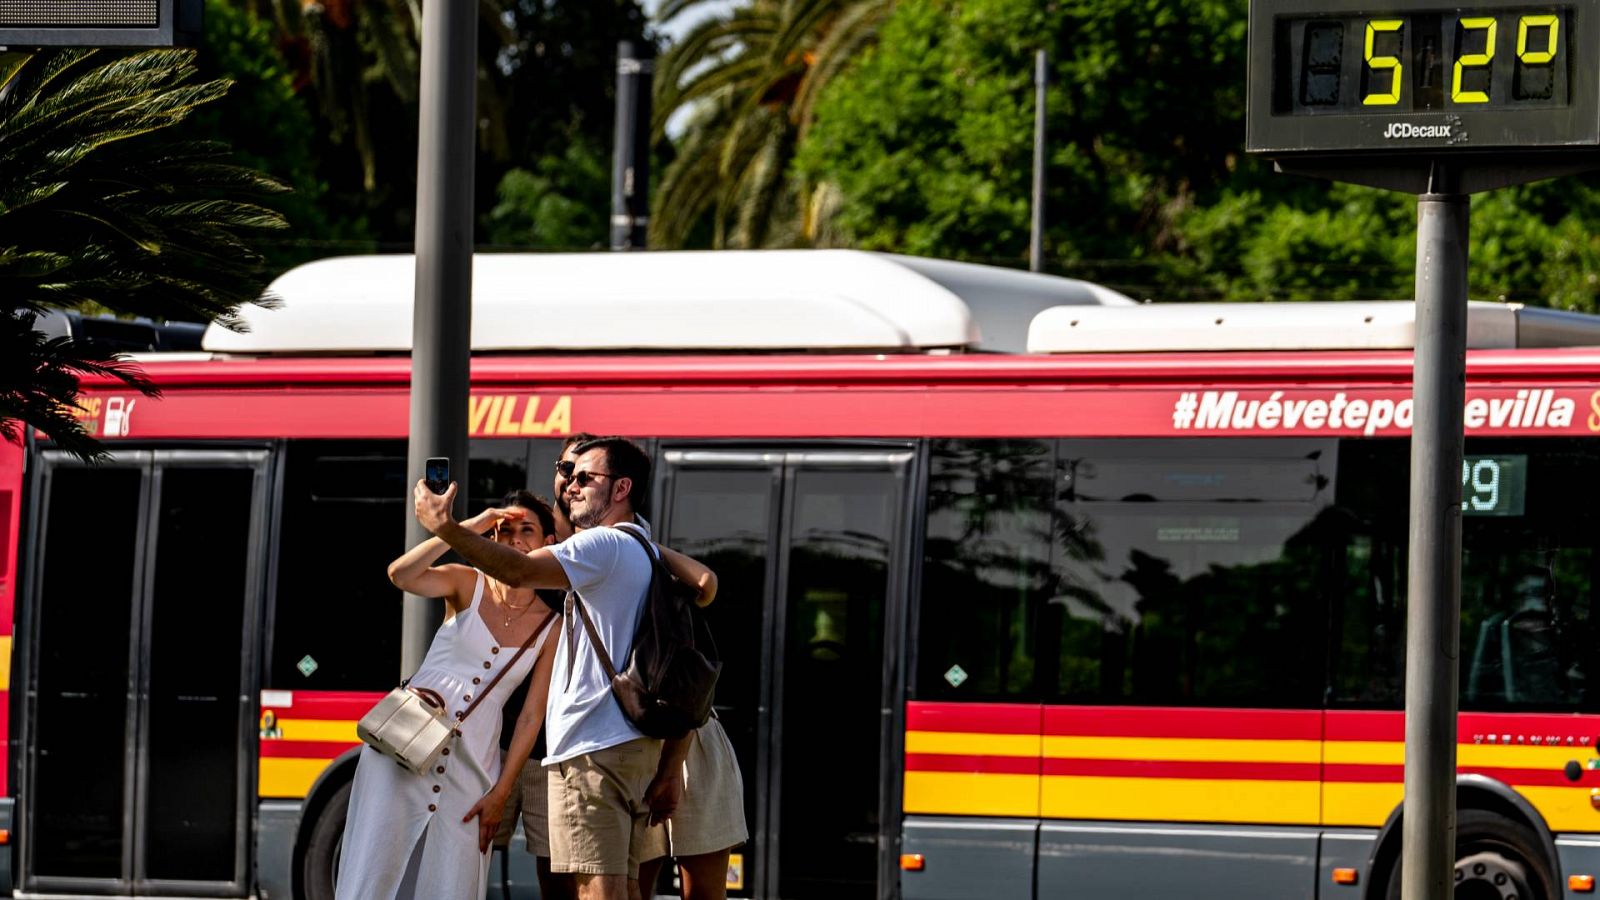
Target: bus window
(1527, 582)
(1192, 573)
(986, 567)
(344, 508)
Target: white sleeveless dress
(404, 837)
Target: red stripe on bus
(983, 718)
(1166, 722)
(1352, 773)
(336, 705)
(1195, 770)
(277, 749)
(988, 765)
(1472, 728)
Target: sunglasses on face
(582, 479)
(564, 467)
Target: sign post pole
(442, 319)
(1433, 594)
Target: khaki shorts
(710, 815)
(597, 808)
(532, 800)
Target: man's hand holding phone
(433, 510)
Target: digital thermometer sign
(1351, 75)
(1494, 485)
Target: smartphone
(437, 474)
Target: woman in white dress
(414, 836)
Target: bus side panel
(1578, 856)
(11, 466)
(970, 857)
(1111, 859)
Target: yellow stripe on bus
(1563, 808)
(972, 794)
(334, 730)
(1183, 749)
(1393, 753)
(1180, 800)
(1359, 803)
(282, 777)
(965, 743)
(5, 663)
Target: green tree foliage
(546, 78)
(103, 206)
(924, 145)
(749, 80)
(268, 127)
(561, 204)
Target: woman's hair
(538, 506)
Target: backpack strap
(632, 531)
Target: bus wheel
(1496, 859)
(321, 861)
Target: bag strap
(507, 667)
(594, 638)
(632, 531)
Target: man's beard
(593, 515)
(564, 506)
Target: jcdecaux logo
(1405, 130)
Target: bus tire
(1496, 857)
(320, 863)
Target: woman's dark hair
(537, 505)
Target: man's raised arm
(505, 564)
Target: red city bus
(1115, 609)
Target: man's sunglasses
(582, 479)
(564, 467)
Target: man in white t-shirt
(604, 775)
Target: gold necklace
(504, 604)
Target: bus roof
(1346, 325)
(824, 300)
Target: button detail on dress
(476, 680)
(466, 698)
(440, 770)
(436, 789)
(494, 649)
(432, 808)
(486, 664)
(445, 751)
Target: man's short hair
(537, 505)
(582, 437)
(625, 459)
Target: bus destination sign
(1334, 76)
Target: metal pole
(1433, 622)
(630, 157)
(442, 317)
(1041, 74)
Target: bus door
(810, 550)
(139, 659)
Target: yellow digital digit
(1379, 63)
(1536, 57)
(1473, 60)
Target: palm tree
(751, 80)
(344, 50)
(98, 211)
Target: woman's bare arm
(691, 571)
(415, 572)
